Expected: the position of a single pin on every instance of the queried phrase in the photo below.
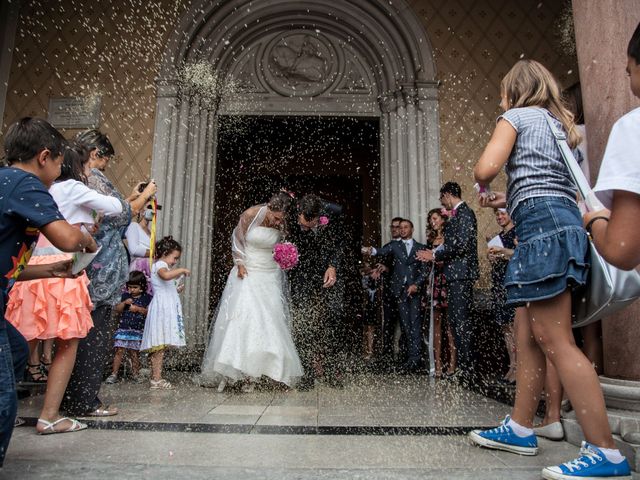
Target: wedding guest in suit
(459, 252)
(407, 275)
(316, 289)
(391, 315)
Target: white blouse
(137, 240)
(620, 169)
(80, 204)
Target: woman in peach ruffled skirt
(60, 308)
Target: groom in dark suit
(460, 256)
(316, 289)
(408, 275)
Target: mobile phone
(142, 186)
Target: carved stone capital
(167, 87)
(388, 102)
(427, 95)
(409, 94)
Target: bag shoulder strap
(570, 161)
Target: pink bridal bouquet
(286, 255)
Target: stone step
(626, 433)
(621, 394)
(625, 423)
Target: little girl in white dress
(164, 326)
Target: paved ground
(376, 428)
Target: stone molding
(381, 44)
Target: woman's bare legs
(552, 395)
(34, 369)
(551, 327)
(453, 353)
(59, 375)
(592, 337)
(47, 351)
(592, 347)
(530, 371)
(510, 343)
(437, 340)
(34, 352)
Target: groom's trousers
(315, 330)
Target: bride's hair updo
(280, 202)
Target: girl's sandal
(35, 374)
(45, 366)
(50, 427)
(161, 384)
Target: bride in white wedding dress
(251, 335)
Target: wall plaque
(75, 112)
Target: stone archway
(310, 57)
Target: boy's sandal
(36, 374)
(102, 411)
(49, 427)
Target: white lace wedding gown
(251, 335)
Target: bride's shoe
(248, 387)
(222, 385)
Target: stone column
(429, 145)
(388, 163)
(603, 29)
(606, 97)
(409, 149)
(184, 167)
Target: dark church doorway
(334, 157)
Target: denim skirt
(552, 251)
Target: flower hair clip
(288, 192)
(323, 220)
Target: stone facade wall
(113, 50)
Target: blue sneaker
(504, 438)
(592, 464)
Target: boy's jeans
(14, 353)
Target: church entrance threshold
(367, 405)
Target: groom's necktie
(407, 246)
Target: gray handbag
(609, 289)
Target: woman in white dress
(252, 335)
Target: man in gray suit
(460, 256)
(408, 275)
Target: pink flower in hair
(323, 220)
(285, 255)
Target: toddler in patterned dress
(133, 312)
